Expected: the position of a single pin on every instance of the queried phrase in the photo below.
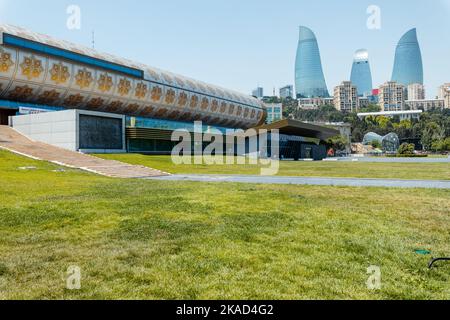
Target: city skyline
(258, 46)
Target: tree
(431, 134)
(432, 127)
(404, 129)
(371, 121)
(446, 144)
(357, 134)
(290, 107)
(406, 149)
(441, 145)
(384, 122)
(322, 114)
(338, 143)
(271, 100)
(371, 108)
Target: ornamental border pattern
(35, 78)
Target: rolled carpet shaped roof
(38, 69)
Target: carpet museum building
(77, 98)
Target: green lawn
(427, 171)
(137, 239)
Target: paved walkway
(394, 160)
(15, 142)
(350, 182)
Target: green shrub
(406, 149)
(441, 145)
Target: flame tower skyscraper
(309, 78)
(361, 75)
(408, 67)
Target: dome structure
(389, 143)
(371, 137)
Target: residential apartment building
(363, 102)
(416, 91)
(274, 112)
(425, 105)
(391, 96)
(346, 97)
(444, 94)
(314, 103)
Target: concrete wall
(56, 128)
(61, 128)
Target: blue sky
(239, 44)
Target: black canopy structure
(297, 128)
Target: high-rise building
(391, 96)
(408, 67)
(416, 91)
(309, 78)
(258, 93)
(444, 94)
(361, 75)
(287, 92)
(346, 97)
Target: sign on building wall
(26, 110)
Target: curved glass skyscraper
(408, 68)
(309, 78)
(361, 75)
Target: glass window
(171, 125)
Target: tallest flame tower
(309, 78)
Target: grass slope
(136, 239)
(426, 171)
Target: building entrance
(4, 114)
